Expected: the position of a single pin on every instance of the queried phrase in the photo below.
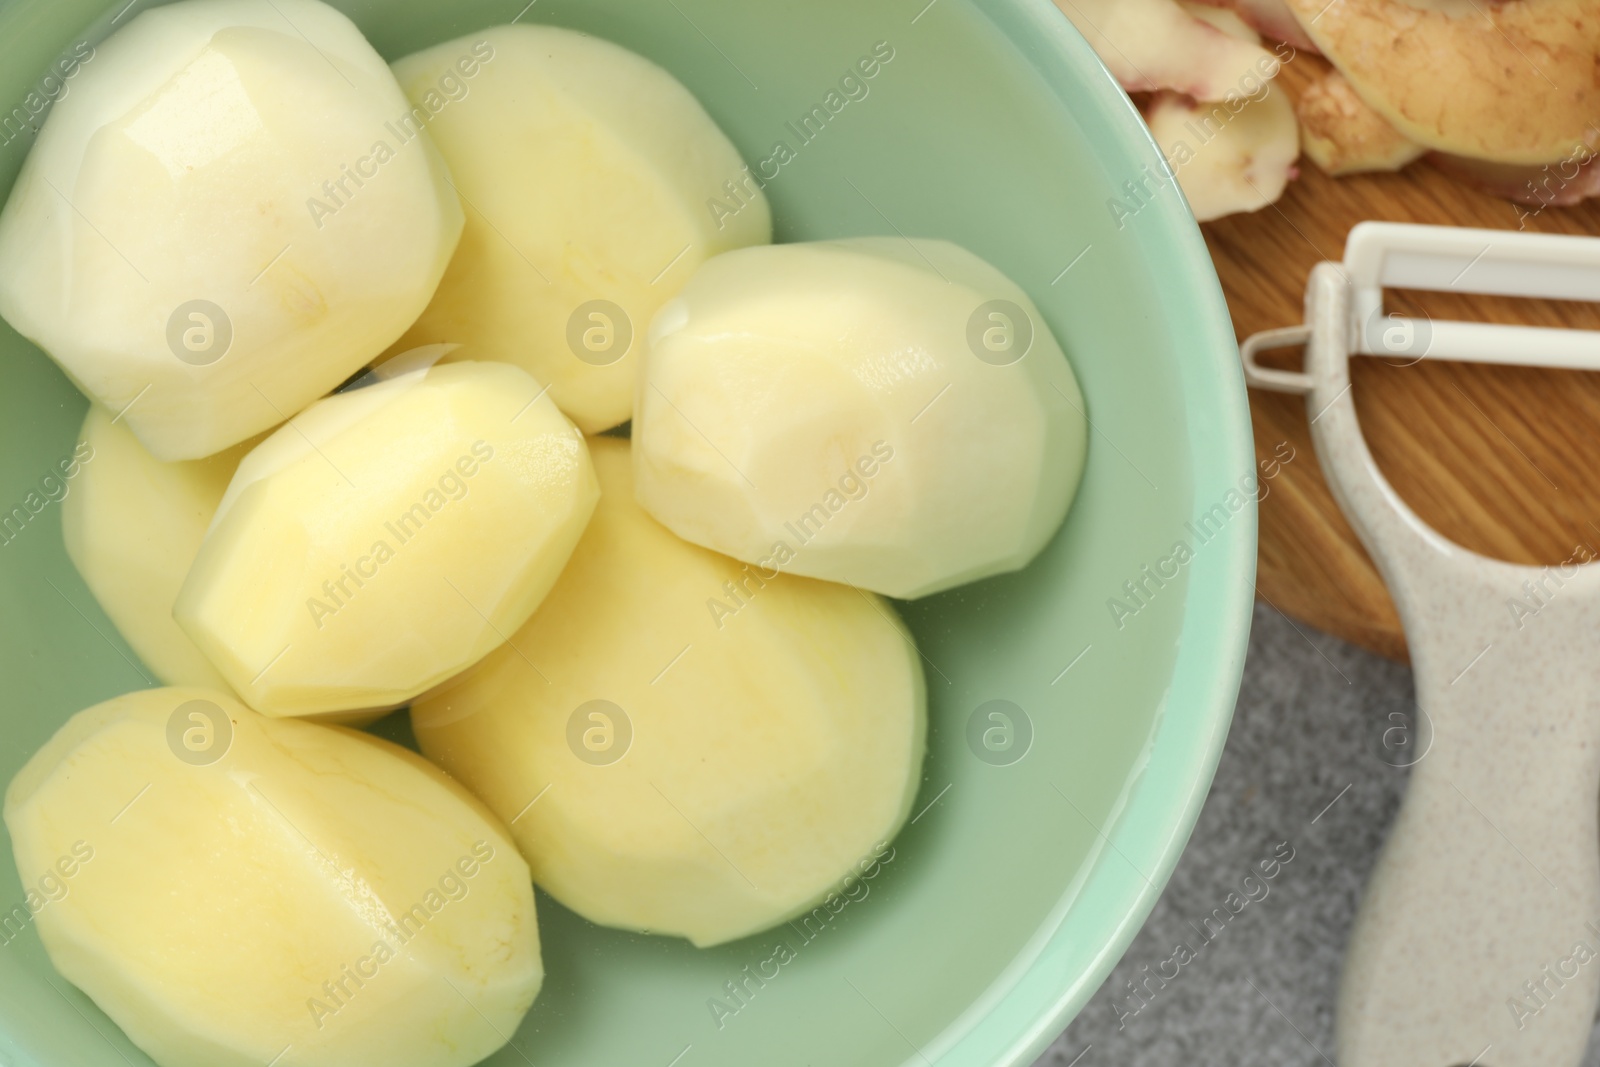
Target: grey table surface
(1315, 763)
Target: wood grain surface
(1503, 461)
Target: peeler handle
(1478, 939)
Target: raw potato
(1270, 17)
(758, 737)
(1223, 17)
(589, 174)
(893, 414)
(1156, 44)
(1236, 153)
(1228, 159)
(132, 525)
(245, 154)
(1500, 82)
(1342, 135)
(228, 887)
(387, 538)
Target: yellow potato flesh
(217, 224)
(387, 538)
(280, 888)
(588, 174)
(770, 731)
(891, 414)
(132, 525)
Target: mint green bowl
(1019, 884)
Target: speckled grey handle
(1478, 939)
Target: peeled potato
(132, 525)
(683, 745)
(594, 184)
(889, 413)
(234, 890)
(225, 217)
(386, 538)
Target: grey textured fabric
(1319, 723)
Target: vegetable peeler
(1477, 941)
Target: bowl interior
(1016, 886)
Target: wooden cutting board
(1503, 461)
